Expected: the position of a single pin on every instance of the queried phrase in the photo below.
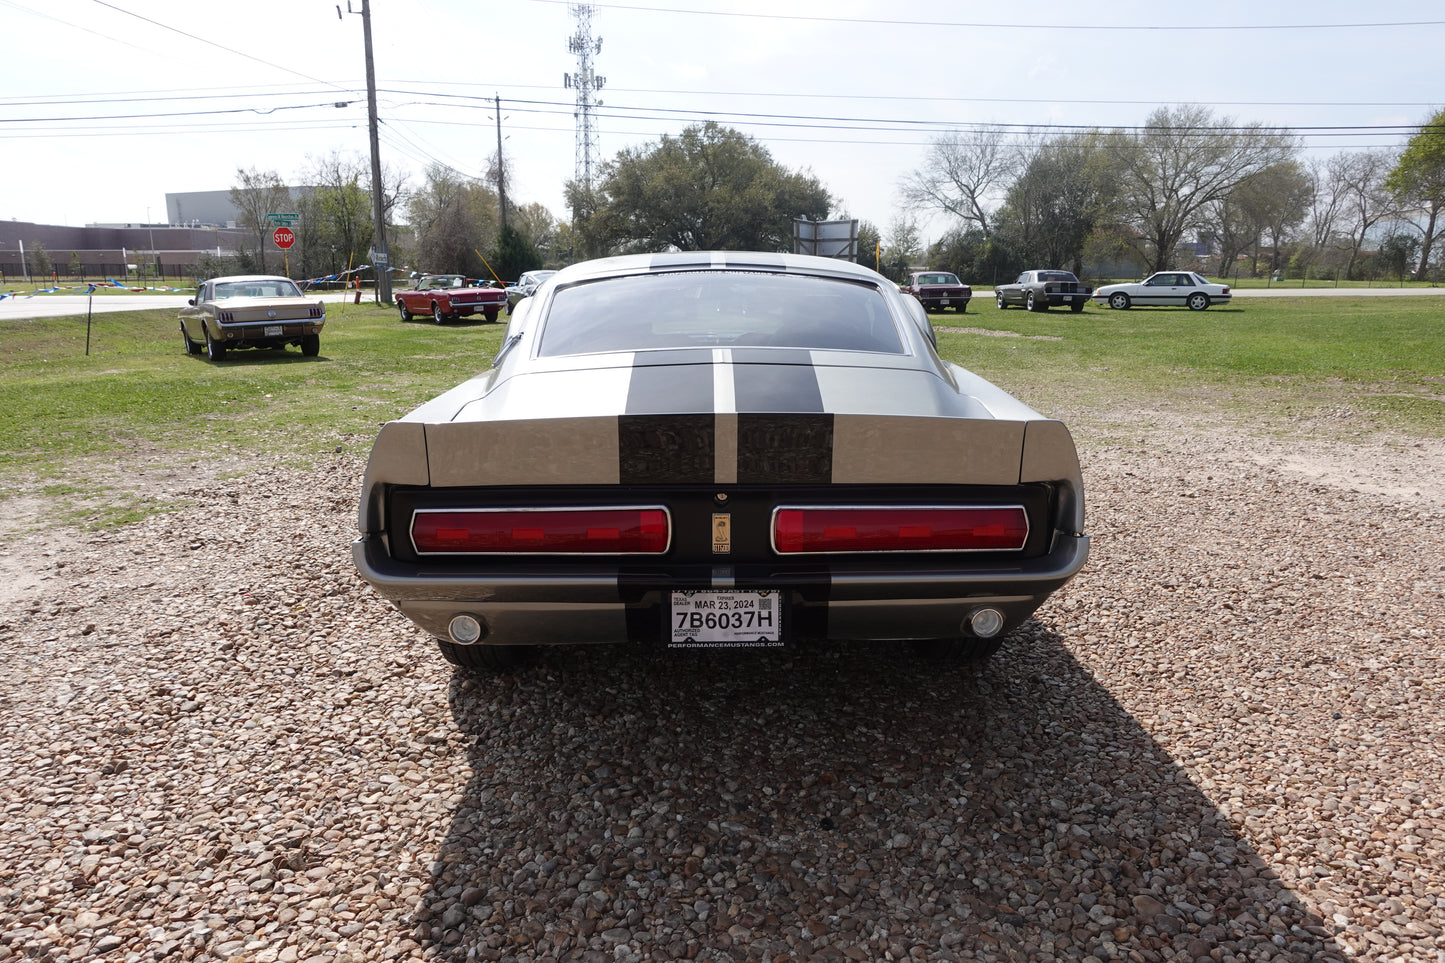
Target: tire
(491, 314)
(401, 306)
(1119, 301)
(1198, 301)
(963, 308)
(490, 658)
(1032, 305)
(436, 313)
(215, 350)
(191, 346)
(311, 345)
(1077, 307)
(998, 299)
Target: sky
(108, 105)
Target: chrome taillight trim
(773, 528)
(411, 529)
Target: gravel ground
(1223, 741)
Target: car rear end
(478, 300)
(1064, 289)
(272, 322)
(750, 529)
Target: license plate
(721, 619)
(274, 330)
(943, 301)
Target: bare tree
(1270, 202)
(1365, 201)
(1180, 163)
(256, 194)
(963, 175)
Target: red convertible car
(446, 296)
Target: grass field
(1262, 364)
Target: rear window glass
(263, 288)
(713, 308)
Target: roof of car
(715, 260)
(249, 277)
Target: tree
(256, 194)
(1418, 184)
(1176, 166)
(962, 173)
(454, 217)
(709, 189)
(901, 248)
(1064, 189)
(1271, 202)
(540, 230)
(514, 255)
(1366, 201)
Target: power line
(975, 25)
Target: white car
(1176, 289)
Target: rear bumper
(854, 600)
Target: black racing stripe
(666, 449)
(788, 383)
(792, 449)
(662, 389)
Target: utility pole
(501, 167)
(380, 257)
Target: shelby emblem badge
(722, 533)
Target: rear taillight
(905, 529)
(552, 531)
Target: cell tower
(587, 83)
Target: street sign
(284, 237)
(283, 219)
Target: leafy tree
(1063, 191)
(902, 248)
(76, 268)
(1271, 202)
(1181, 162)
(514, 255)
(1418, 184)
(256, 194)
(962, 172)
(869, 244)
(40, 260)
(539, 229)
(710, 188)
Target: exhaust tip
(466, 629)
(985, 623)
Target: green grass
(69, 422)
(1380, 356)
(137, 390)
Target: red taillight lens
(988, 529)
(561, 531)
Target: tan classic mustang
(719, 450)
(251, 311)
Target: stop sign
(284, 237)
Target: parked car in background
(1040, 290)
(719, 450)
(445, 296)
(526, 286)
(1179, 289)
(938, 290)
(251, 311)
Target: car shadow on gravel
(849, 802)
